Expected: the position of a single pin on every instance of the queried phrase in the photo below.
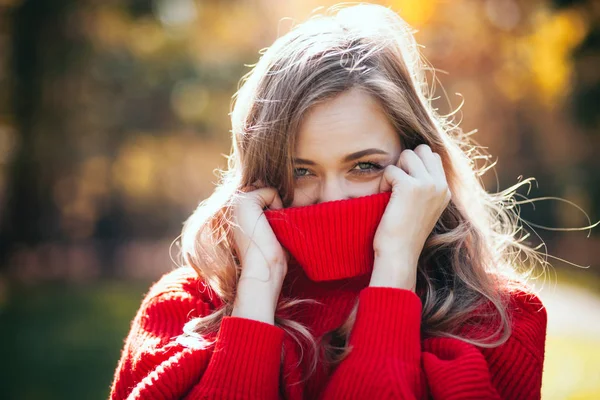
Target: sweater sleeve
(389, 360)
(242, 361)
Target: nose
(332, 189)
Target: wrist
(270, 269)
(254, 307)
(394, 269)
(256, 299)
(253, 313)
(395, 255)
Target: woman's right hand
(262, 258)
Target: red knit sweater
(331, 245)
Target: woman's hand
(263, 259)
(419, 196)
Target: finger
(440, 179)
(448, 198)
(410, 162)
(393, 177)
(439, 173)
(433, 164)
(428, 158)
(247, 189)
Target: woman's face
(343, 145)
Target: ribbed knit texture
(331, 264)
(346, 250)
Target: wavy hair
(467, 264)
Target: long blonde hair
(466, 263)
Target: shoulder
(523, 312)
(519, 300)
(519, 303)
(182, 283)
(528, 318)
(524, 305)
(173, 300)
(151, 354)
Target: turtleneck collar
(331, 240)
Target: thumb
(268, 198)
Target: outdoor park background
(113, 116)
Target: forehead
(350, 122)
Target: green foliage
(63, 342)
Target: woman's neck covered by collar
(331, 243)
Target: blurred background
(113, 117)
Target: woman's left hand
(419, 196)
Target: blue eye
(360, 168)
(300, 172)
(365, 167)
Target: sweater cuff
(247, 357)
(388, 323)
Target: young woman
(349, 252)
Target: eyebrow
(348, 158)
